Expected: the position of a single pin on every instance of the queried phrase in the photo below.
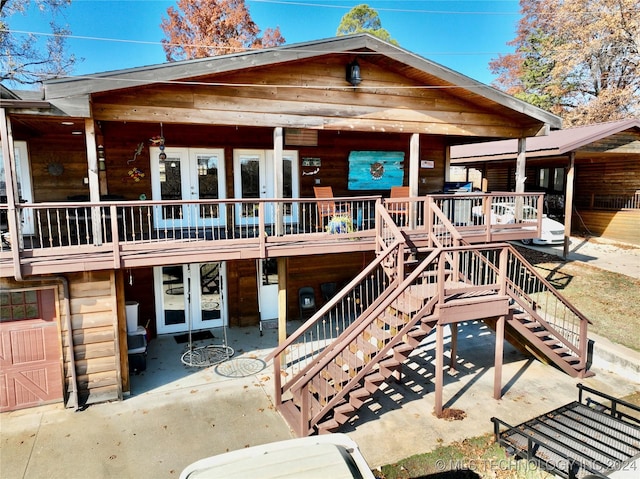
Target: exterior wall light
(353, 73)
(102, 165)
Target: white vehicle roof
(333, 455)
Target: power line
(219, 47)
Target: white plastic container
(132, 315)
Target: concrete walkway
(157, 433)
(620, 258)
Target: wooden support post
(454, 347)
(497, 378)
(11, 189)
(278, 175)
(568, 204)
(414, 177)
(282, 304)
(521, 165)
(439, 369)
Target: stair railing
(442, 233)
(365, 291)
(418, 291)
(411, 301)
(537, 297)
(550, 308)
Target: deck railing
(122, 229)
(71, 224)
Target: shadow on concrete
(475, 356)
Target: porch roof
(557, 143)
(72, 94)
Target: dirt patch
(606, 298)
(450, 414)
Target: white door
(190, 296)
(251, 181)
(188, 174)
(254, 178)
(268, 288)
(23, 175)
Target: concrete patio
(176, 414)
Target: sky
(463, 35)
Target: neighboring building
(606, 186)
(188, 188)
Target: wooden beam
(414, 175)
(497, 375)
(521, 164)
(278, 176)
(568, 204)
(92, 173)
(454, 347)
(439, 369)
(282, 303)
(380, 120)
(11, 190)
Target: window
(551, 179)
(558, 179)
(18, 305)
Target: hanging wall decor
(136, 174)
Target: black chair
(307, 301)
(328, 291)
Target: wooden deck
(73, 237)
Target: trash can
(132, 315)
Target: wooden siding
(613, 225)
(618, 176)
(255, 97)
(314, 270)
(120, 141)
(499, 177)
(94, 319)
(242, 284)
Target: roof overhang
(73, 95)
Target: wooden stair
(347, 381)
(531, 337)
(340, 380)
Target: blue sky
(461, 35)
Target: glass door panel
(207, 299)
(171, 298)
(170, 181)
(250, 182)
(188, 174)
(189, 295)
(290, 184)
(207, 183)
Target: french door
(188, 174)
(254, 178)
(189, 296)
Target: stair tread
(328, 426)
(378, 333)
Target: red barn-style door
(30, 357)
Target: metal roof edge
(615, 126)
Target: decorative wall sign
(375, 170)
(427, 164)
